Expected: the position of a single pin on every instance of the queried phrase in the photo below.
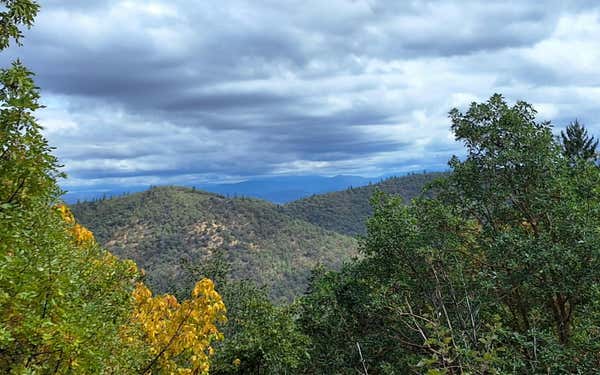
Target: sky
(190, 92)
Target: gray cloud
(142, 92)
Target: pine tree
(577, 144)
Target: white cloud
(146, 91)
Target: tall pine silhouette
(577, 144)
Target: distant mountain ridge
(287, 188)
(281, 190)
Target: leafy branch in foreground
(64, 301)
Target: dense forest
(492, 268)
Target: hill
(347, 211)
(165, 228)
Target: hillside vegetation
(170, 230)
(346, 211)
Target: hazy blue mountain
(282, 189)
(286, 188)
(274, 189)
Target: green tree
(577, 144)
(27, 169)
(538, 216)
(409, 302)
(493, 270)
(259, 337)
(537, 220)
(63, 299)
(337, 314)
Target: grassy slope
(347, 211)
(161, 227)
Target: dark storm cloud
(216, 102)
(133, 53)
(161, 90)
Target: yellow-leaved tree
(178, 335)
(68, 306)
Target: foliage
(328, 316)
(62, 300)
(165, 228)
(81, 235)
(179, 335)
(16, 13)
(398, 302)
(538, 214)
(495, 270)
(577, 144)
(66, 304)
(259, 337)
(27, 169)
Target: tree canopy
(493, 270)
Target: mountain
(346, 211)
(273, 189)
(168, 229)
(286, 188)
(165, 228)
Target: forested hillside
(346, 211)
(170, 230)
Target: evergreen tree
(577, 144)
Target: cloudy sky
(184, 91)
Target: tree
(63, 299)
(577, 144)
(66, 304)
(493, 270)
(27, 168)
(259, 337)
(537, 213)
(179, 335)
(409, 303)
(335, 314)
